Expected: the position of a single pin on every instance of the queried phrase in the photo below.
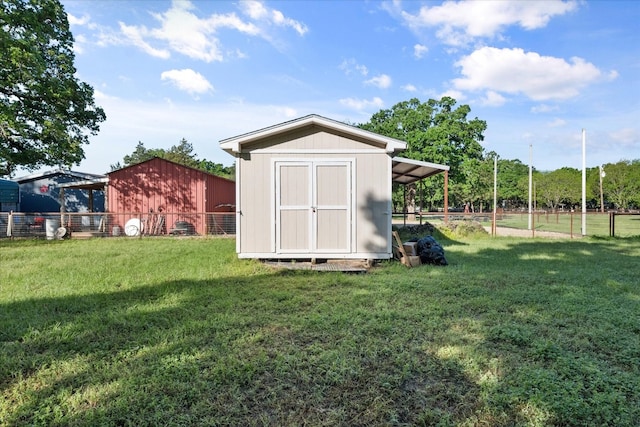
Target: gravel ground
(518, 232)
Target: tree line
(438, 131)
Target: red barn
(178, 194)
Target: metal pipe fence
(52, 225)
(618, 224)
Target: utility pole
(584, 182)
(602, 175)
(530, 180)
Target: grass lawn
(179, 332)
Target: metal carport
(407, 171)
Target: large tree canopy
(46, 113)
(437, 132)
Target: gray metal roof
(407, 171)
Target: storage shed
(42, 192)
(315, 188)
(181, 193)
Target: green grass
(180, 332)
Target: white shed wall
(370, 192)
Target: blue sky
(537, 72)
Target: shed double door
(313, 206)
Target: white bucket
(115, 231)
(51, 226)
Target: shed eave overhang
(234, 144)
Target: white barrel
(51, 226)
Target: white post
(530, 180)
(584, 182)
(495, 194)
(602, 175)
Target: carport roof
(90, 184)
(407, 171)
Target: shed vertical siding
(256, 204)
(373, 203)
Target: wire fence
(618, 224)
(55, 225)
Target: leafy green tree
(513, 183)
(477, 187)
(562, 186)
(217, 169)
(46, 113)
(183, 154)
(435, 131)
(621, 184)
(139, 155)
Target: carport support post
(446, 196)
(404, 204)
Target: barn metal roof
(89, 184)
(407, 171)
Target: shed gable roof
(234, 144)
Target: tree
(513, 182)
(621, 184)
(558, 187)
(478, 184)
(435, 131)
(46, 113)
(181, 153)
(139, 155)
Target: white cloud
(180, 29)
(419, 51)
(74, 20)
(493, 99)
(544, 108)
(256, 10)
(409, 88)
(626, 137)
(192, 36)
(350, 66)
(362, 104)
(188, 80)
(455, 94)
(514, 71)
(135, 37)
(78, 44)
(460, 22)
(382, 81)
(557, 122)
